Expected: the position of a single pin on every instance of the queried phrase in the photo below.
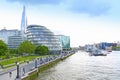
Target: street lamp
(18, 76)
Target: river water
(81, 66)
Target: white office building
(4, 34)
(40, 35)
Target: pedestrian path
(26, 68)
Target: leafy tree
(42, 50)
(13, 51)
(26, 47)
(46, 50)
(3, 48)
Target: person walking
(23, 71)
(10, 74)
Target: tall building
(40, 35)
(23, 21)
(64, 41)
(15, 40)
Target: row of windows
(36, 27)
(37, 33)
(40, 35)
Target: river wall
(32, 75)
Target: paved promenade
(25, 69)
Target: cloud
(91, 7)
(35, 2)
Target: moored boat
(99, 53)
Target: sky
(85, 21)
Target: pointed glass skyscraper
(23, 21)
(15, 40)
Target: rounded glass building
(40, 35)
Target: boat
(98, 52)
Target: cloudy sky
(85, 21)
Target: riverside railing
(30, 66)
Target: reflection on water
(81, 66)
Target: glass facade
(40, 35)
(64, 41)
(14, 41)
(23, 21)
(4, 34)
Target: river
(81, 66)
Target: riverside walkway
(23, 70)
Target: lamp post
(18, 76)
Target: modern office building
(4, 34)
(64, 41)
(40, 35)
(103, 45)
(15, 40)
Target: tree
(13, 51)
(46, 50)
(26, 47)
(3, 48)
(42, 50)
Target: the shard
(23, 21)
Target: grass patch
(11, 62)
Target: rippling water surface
(81, 66)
